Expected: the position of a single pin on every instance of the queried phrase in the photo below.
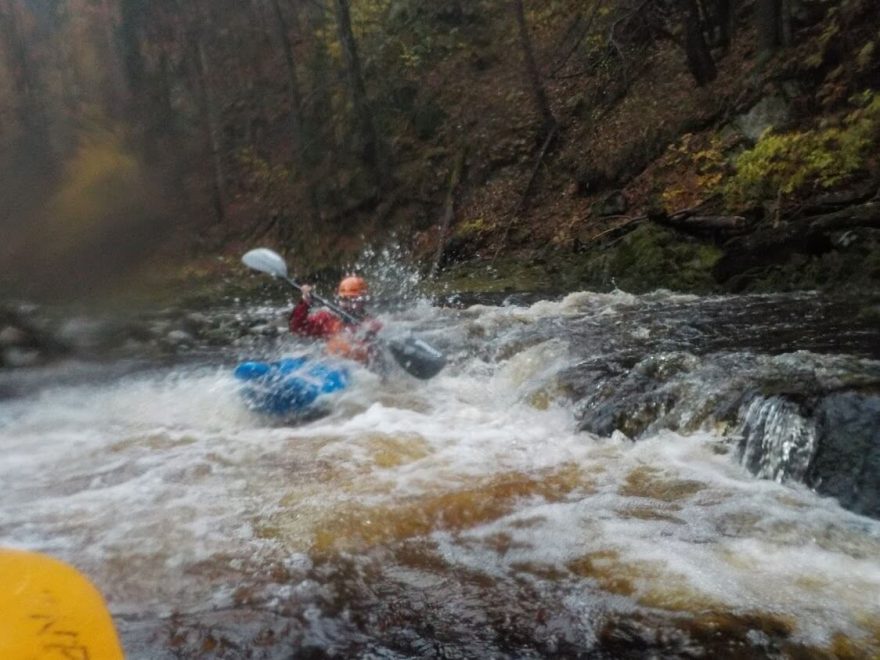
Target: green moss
(427, 119)
(472, 227)
(870, 313)
(651, 258)
(856, 268)
(786, 163)
(507, 274)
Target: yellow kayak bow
(49, 611)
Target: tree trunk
(130, 26)
(293, 87)
(700, 62)
(28, 88)
(724, 10)
(785, 22)
(769, 17)
(719, 17)
(300, 147)
(366, 128)
(539, 94)
(448, 209)
(211, 126)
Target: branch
(636, 219)
(586, 29)
(613, 42)
(551, 134)
(866, 215)
(700, 223)
(449, 208)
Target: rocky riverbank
(649, 256)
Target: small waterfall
(778, 441)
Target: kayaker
(352, 341)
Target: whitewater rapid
(181, 504)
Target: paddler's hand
(306, 291)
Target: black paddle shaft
(346, 316)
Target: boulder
(614, 203)
(17, 357)
(769, 112)
(12, 336)
(847, 463)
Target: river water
(502, 509)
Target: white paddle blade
(265, 261)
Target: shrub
(793, 162)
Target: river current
(534, 499)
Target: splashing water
(778, 443)
(394, 277)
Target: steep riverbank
(650, 256)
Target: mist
(86, 195)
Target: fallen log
(807, 236)
(702, 223)
(833, 201)
(866, 215)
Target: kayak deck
(290, 385)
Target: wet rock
(178, 337)
(24, 342)
(769, 112)
(20, 357)
(264, 330)
(196, 323)
(709, 635)
(12, 336)
(632, 414)
(82, 334)
(847, 463)
(614, 203)
(830, 441)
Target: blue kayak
(291, 386)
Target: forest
(502, 144)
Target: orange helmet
(352, 287)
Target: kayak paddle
(417, 357)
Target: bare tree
(699, 57)
(539, 94)
(774, 25)
(293, 86)
(210, 122)
(26, 79)
(296, 101)
(363, 116)
(718, 18)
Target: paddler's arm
(298, 321)
(320, 324)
